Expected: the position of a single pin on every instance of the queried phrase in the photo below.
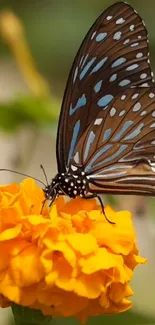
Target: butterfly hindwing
(113, 56)
(117, 151)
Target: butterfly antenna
(22, 174)
(41, 166)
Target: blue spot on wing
(80, 103)
(89, 142)
(117, 35)
(107, 134)
(113, 77)
(134, 134)
(86, 68)
(100, 37)
(132, 67)
(99, 65)
(115, 155)
(98, 154)
(105, 100)
(120, 132)
(124, 82)
(118, 62)
(74, 139)
(98, 86)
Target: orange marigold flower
(66, 260)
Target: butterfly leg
(103, 210)
(43, 203)
(101, 203)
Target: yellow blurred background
(38, 41)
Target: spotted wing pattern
(113, 56)
(117, 151)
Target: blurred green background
(38, 41)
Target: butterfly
(106, 131)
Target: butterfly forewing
(117, 151)
(113, 56)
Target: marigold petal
(32, 191)
(4, 302)
(102, 260)
(10, 233)
(119, 239)
(79, 205)
(90, 286)
(66, 260)
(26, 268)
(9, 189)
(67, 252)
(65, 304)
(9, 289)
(9, 249)
(133, 260)
(61, 272)
(117, 291)
(83, 243)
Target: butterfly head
(67, 184)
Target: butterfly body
(68, 184)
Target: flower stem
(12, 31)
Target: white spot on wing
(151, 95)
(132, 27)
(120, 21)
(98, 121)
(137, 107)
(145, 84)
(134, 44)
(76, 157)
(73, 167)
(153, 169)
(122, 112)
(112, 111)
(126, 41)
(109, 17)
(135, 96)
(139, 55)
(123, 97)
(75, 74)
(143, 113)
(93, 35)
(117, 36)
(143, 76)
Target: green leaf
(28, 110)
(27, 316)
(126, 318)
